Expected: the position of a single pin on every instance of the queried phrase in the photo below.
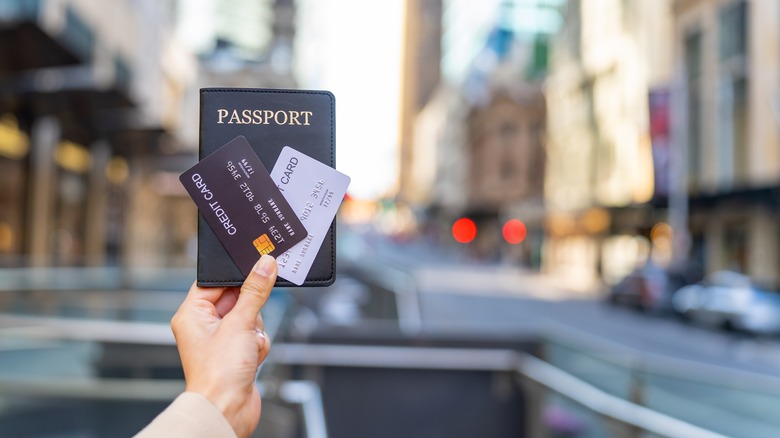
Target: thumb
(255, 291)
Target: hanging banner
(660, 108)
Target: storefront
(14, 151)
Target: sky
(351, 48)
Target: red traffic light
(514, 231)
(464, 230)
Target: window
(78, 37)
(733, 30)
(123, 74)
(733, 96)
(507, 134)
(693, 61)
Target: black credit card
(238, 199)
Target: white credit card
(314, 191)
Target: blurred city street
(600, 342)
(562, 216)
(459, 296)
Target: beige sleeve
(190, 415)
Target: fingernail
(264, 266)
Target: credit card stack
(245, 211)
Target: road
(461, 295)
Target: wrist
(226, 404)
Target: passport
(269, 120)
(241, 203)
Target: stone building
(478, 145)
(715, 174)
(605, 61)
(505, 164)
(728, 56)
(420, 77)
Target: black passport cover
(270, 120)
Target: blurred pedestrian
(219, 333)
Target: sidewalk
(439, 269)
(498, 280)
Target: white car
(729, 299)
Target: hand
(219, 333)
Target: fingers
(227, 301)
(210, 294)
(198, 298)
(255, 291)
(263, 346)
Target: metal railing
(540, 377)
(536, 375)
(528, 369)
(106, 278)
(405, 294)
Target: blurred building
(728, 58)
(93, 95)
(420, 76)
(505, 167)
(251, 45)
(605, 61)
(691, 87)
(439, 142)
(478, 143)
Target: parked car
(731, 300)
(647, 288)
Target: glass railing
(80, 351)
(724, 400)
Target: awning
(72, 94)
(767, 196)
(24, 46)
